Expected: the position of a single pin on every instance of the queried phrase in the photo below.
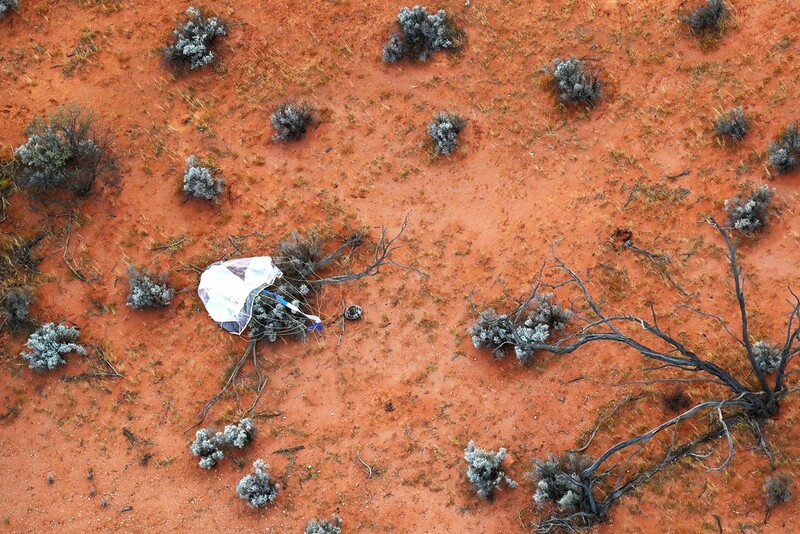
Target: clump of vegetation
(776, 491)
(257, 488)
(574, 83)
(199, 181)
(49, 343)
(707, 18)
(194, 40)
(749, 214)
(733, 124)
(208, 447)
(768, 357)
(484, 472)
(19, 263)
(279, 310)
(291, 121)
(14, 309)
(523, 332)
(444, 131)
(421, 35)
(147, 294)
(559, 481)
(240, 434)
(323, 526)
(63, 152)
(7, 5)
(676, 400)
(783, 153)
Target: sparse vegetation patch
(750, 213)
(146, 293)
(257, 488)
(421, 35)
(484, 470)
(63, 152)
(48, 345)
(783, 153)
(444, 132)
(194, 40)
(199, 181)
(291, 121)
(574, 82)
(733, 124)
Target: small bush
(199, 182)
(146, 294)
(257, 488)
(574, 83)
(63, 152)
(768, 358)
(48, 343)
(444, 131)
(559, 482)
(498, 332)
(776, 489)
(239, 434)
(707, 18)
(733, 124)
(14, 309)
(749, 214)
(421, 35)
(291, 121)
(194, 40)
(323, 526)
(208, 447)
(7, 5)
(676, 400)
(484, 471)
(783, 153)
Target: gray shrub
(777, 489)
(484, 472)
(522, 331)
(733, 124)
(62, 152)
(574, 83)
(323, 526)
(208, 447)
(49, 343)
(783, 153)
(240, 434)
(559, 482)
(768, 357)
(257, 488)
(147, 294)
(493, 332)
(194, 40)
(271, 318)
(708, 17)
(421, 35)
(199, 181)
(14, 307)
(7, 5)
(750, 213)
(291, 121)
(444, 131)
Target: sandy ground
(403, 388)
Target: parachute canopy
(228, 288)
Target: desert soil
(403, 388)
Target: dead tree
(597, 484)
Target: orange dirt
(528, 174)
